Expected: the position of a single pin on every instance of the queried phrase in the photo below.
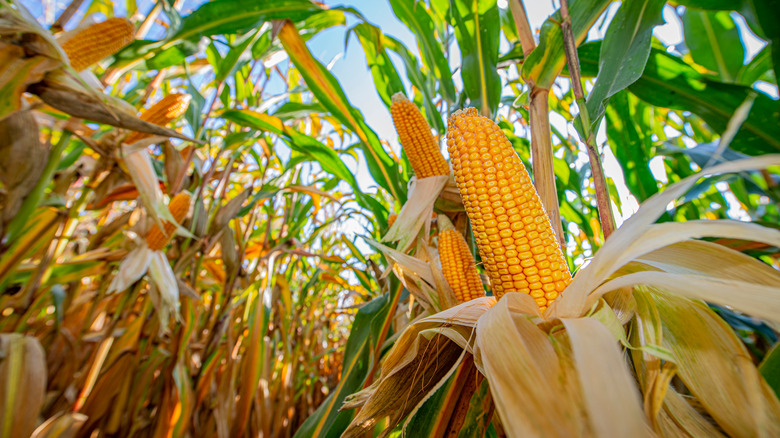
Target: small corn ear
(97, 41)
(157, 239)
(416, 138)
(166, 110)
(458, 266)
(516, 241)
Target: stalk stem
(539, 118)
(599, 181)
(524, 31)
(542, 158)
(66, 15)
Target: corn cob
(98, 41)
(512, 230)
(157, 239)
(166, 110)
(458, 266)
(416, 138)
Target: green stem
(597, 170)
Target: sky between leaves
(349, 66)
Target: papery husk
(17, 72)
(700, 257)
(429, 362)
(22, 159)
(415, 215)
(609, 390)
(707, 271)
(131, 269)
(400, 389)
(139, 165)
(443, 290)
(166, 285)
(679, 418)
(712, 363)
(416, 276)
(638, 235)
(22, 384)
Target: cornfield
(298, 218)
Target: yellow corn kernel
(416, 138)
(516, 242)
(458, 266)
(391, 220)
(156, 239)
(98, 41)
(166, 110)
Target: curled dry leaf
(19, 26)
(61, 425)
(23, 382)
(415, 215)
(68, 96)
(16, 73)
(22, 159)
(230, 210)
(428, 362)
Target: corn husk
(564, 373)
(22, 159)
(22, 384)
(17, 72)
(164, 279)
(415, 215)
(69, 96)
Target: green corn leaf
(331, 95)
(235, 16)
(624, 53)
(477, 26)
(629, 137)
(414, 15)
(545, 62)
(713, 41)
(383, 71)
(669, 82)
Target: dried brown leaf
(23, 382)
(22, 159)
(71, 98)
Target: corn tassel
(157, 239)
(416, 138)
(97, 41)
(166, 110)
(516, 242)
(458, 266)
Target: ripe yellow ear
(516, 242)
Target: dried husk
(60, 92)
(22, 159)
(61, 425)
(17, 72)
(564, 374)
(415, 215)
(22, 384)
